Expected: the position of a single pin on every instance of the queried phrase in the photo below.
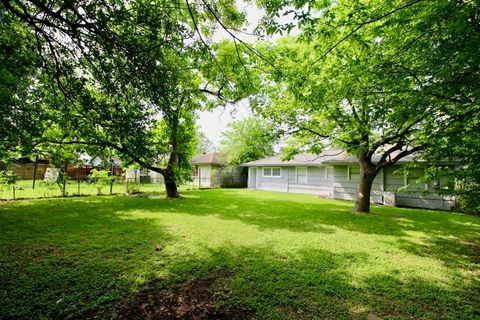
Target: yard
(234, 254)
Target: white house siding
(204, 178)
(155, 177)
(272, 183)
(252, 178)
(341, 187)
(346, 189)
(426, 198)
(316, 182)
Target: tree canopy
(391, 78)
(247, 140)
(384, 78)
(119, 73)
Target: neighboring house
(25, 168)
(207, 169)
(334, 174)
(143, 176)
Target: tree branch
(361, 25)
(120, 149)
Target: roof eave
(280, 165)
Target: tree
(247, 140)
(121, 71)
(459, 145)
(19, 94)
(204, 144)
(377, 78)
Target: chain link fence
(34, 189)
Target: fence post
(35, 171)
(64, 177)
(111, 182)
(78, 179)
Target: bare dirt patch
(189, 300)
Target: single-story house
(207, 168)
(334, 174)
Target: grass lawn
(24, 190)
(235, 254)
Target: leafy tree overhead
(20, 92)
(459, 145)
(204, 144)
(386, 78)
(247, 140)
(122, 71)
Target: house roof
(335, 156)
(207, 158)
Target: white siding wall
(342, 187)
(287, 182)
(272, 183)
(346, 189)
(252, 178)
(316, 182)
(409, 198)
(205, 173)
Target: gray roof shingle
(207, 158)
(327, 157)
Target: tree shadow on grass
(314, 284)
(305, 213)
(455, 253)
(67, 257)
(64, 257)
(253, 283)
(393, 297)
(450, 237)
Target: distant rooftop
(207, 158)
(325, 158)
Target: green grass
(24, 189)
(277, 255)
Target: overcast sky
(214, 122)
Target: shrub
(8, 179)
(102, 179)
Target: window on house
(267, 172)
(195, 172)
(411, 179)
(276, 172)
(301, 174)
(272, 172)
(329, 173)
(353, 173)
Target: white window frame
(349, 173)
(306, 174)
(326, 172)
(271, 172)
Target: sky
(213, 123)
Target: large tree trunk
(170, 184)
(169, 172)
(364, 187)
